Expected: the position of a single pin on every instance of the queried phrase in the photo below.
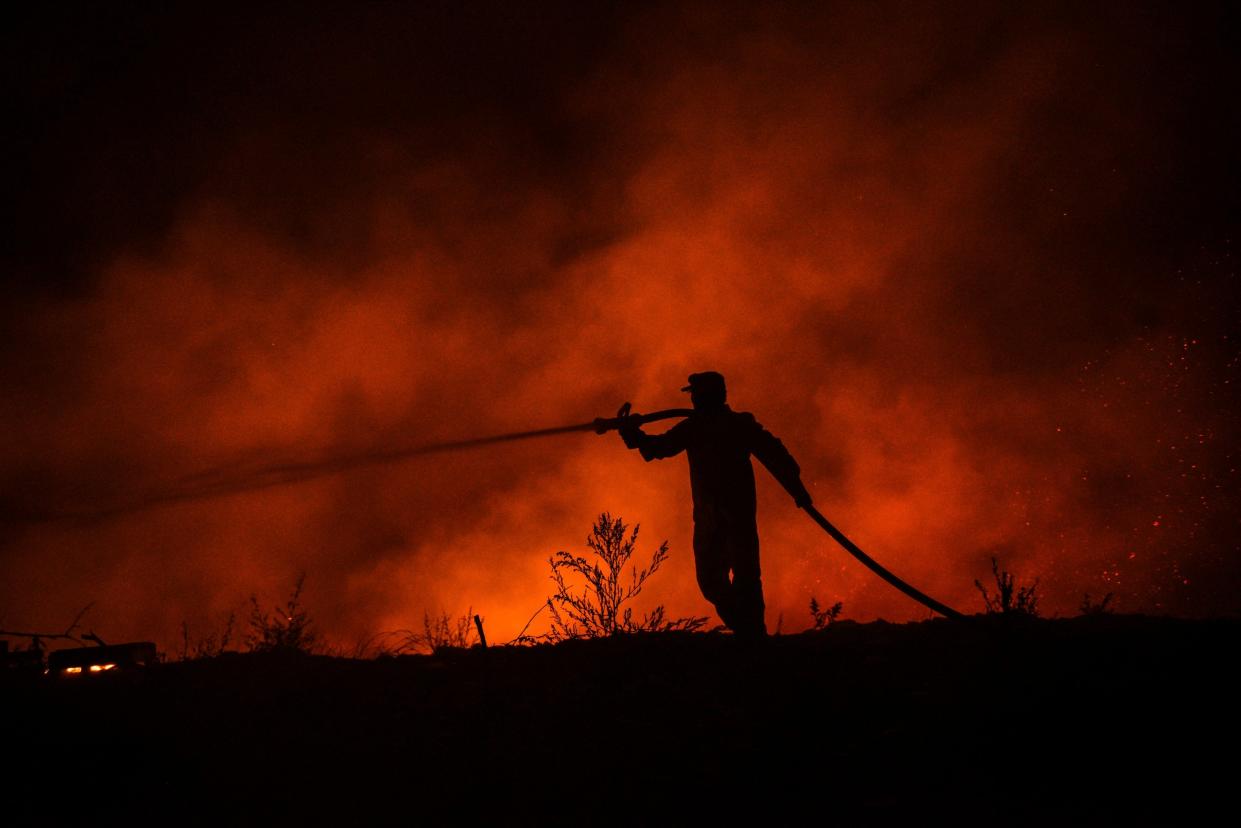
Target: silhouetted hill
(1080, 721)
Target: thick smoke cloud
(970, 265)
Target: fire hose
(603, 425)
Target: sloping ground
(1081, 721)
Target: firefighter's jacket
(718, 443)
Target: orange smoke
(885, 233)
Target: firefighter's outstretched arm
(772, 454)
(651, 446)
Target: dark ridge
(1091, 720)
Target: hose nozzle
(623, 418)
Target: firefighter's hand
(629, 431)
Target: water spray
(231, 480)
(238, 478)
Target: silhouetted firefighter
(718, 442)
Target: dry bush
(1011, 598)
(287, 629)
(441, 631)
(596, 608)
(1100, 607)
(824, 616)
(210, 645)
(437, 633)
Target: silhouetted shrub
(438, 632)
(1010, 598)
(210, 645)
(824, 616)
(1100, 607)
(596, 610)
(287, 629)
(442, 631)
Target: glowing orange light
(72, 670)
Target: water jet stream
(235, 479)
(227, 480)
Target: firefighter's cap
(706, 381)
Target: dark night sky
(973, 265)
